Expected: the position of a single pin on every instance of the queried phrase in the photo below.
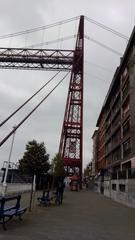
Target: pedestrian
(87, 184)
(60, 190)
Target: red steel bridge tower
(71, 143)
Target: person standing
(60, 190)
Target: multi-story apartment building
(116, 122)
(94, 153)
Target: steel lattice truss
(36, 59)
(71, 143)
(72, 124)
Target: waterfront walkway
(83, 216)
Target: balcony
(126, 128)
(125, 109)
(116, 125)
(108, 137)
(125, 93)
(115, 99)
(131, 173)
(126, 147)
(125, 77)
(116, 110)
(116, 145)
(125, 174)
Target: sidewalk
(83, 216)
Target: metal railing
(124, 174)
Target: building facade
(116, 122)
(94, 153)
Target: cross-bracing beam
(36, 59)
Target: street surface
(83, 216)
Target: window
(125, 90)
(125, 72)
(126, 127)
(108, 147)
(108, 160)
(116, 94)
(126, 147)
(108, 132)
(122, 187)
(116, 137)
(108, 120)
(125, 109)
(116, 154)
(116, 107)
(116, 121)
(124, 75)
(114, 187)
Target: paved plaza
(83, 216)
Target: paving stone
(83, 216)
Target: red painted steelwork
(36, 59)
(71, 143)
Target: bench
(7, 212)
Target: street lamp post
(7, 165)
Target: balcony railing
(125, 174)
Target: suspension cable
(19, 108)
(94, 76)
(74, 36)
(98, 66)
(52, 41)
(10, 35)
(30, 113)
(121, 35)
(103, 45)
(37, 29)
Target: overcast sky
(16, 86)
